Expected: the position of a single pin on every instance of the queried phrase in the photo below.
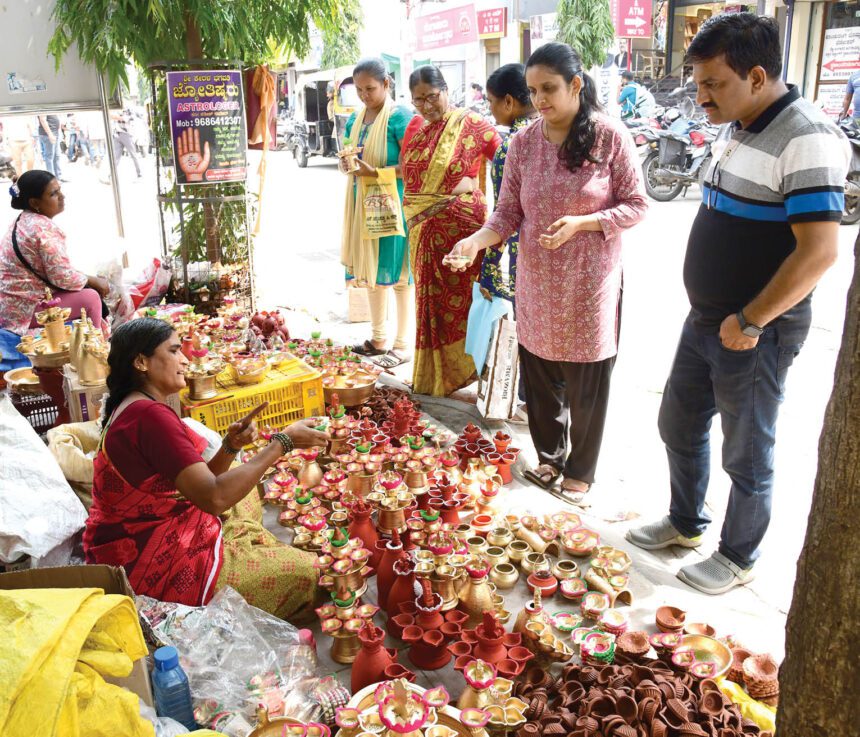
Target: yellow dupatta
(430, 197)
(358, 254)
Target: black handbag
(26, 265)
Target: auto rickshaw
(324, 102)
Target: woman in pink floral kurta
(571, 185)
(42, 246)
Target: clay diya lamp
(501, 441)
(480, 676)
(736, 670)
(594, 604)
(670, 619)
(580, 543)
(566, 621)
(573, 588)
(474, 720)
(597, 648)
(632, 645)
(614, 621)
(699, 628)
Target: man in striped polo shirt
(766, 231)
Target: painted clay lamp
(343, 563)
(489, 642)
(392, 499)
(423, 624)
(373, 658)
(342, 620)
(303, 503)
(310, 474)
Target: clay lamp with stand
(392, 500)
(362, 467)
(422, 524)
(445, 499)
(392, 551)
(304, 503)
(333, 486)
(489, 642)
(445, 568)
(342, 619)
(402, 591)
(52, 318)
(310, 533)
(430, 630)
(280, 488)
(201, 374)
(340, 426)
(403, 420)
(373, 658)
(397, 710)
(343, 563)
(475, 475)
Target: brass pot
(504, 575)
(201, 387)
(344, 648)
(518, 550)
(389, 520)
(496, 555)
(500, 536)
(92, 367)
(361, 483)
(477, 545)
(444, 583)
(476, 597)
(564, 569)
(531, 560)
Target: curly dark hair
(130, 340)
(562, 59)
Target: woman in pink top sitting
(33, 256)
(571, 186)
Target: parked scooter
(851, 212)
(681, 155)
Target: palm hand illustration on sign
(192, 160)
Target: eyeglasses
(420, 102)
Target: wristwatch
(747, 328)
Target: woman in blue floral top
(511, 106)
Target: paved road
(297, 264)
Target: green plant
(586, 25)
(341, 44)
(109, 33)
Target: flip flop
(570, 496)
(368, 349)
(389, 360)
(545, 480)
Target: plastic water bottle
(172, 692)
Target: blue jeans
(50, 155)
(746, 388)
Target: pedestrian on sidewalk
(19, 135)
(49, 143)
(443, 203)
(380, 264)
(765, 233)
(572, 184)
(123, 141)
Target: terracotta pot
(392, 552)
(361, 526)
(402, 590)
(501, 441)
(372, 660)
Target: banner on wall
(840, 55)
(207, 126)
(543, 29)
(830, 98)
(446, 28)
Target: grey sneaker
(715, 575)
(661, 534)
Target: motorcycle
(851, 213)
(680, 156)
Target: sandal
(570, 494)
(544, 476)
(389, 360)
(368, 349)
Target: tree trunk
(211, 230)
(820, 678)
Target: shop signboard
(207, 126)
(493, 23)
(446, 28)
(543, 29)
(631, 18)
(840, 56)
(830, 97)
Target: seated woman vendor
(183, 528)
(33, 256)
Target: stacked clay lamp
(489, 642)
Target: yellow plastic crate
(294, 391)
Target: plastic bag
(237, 657)
(38, 509)
(150, 286)
(383, 215)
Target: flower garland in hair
(14, 191)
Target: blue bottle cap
(166, 658)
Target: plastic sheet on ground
(38, 509)
(236, 657)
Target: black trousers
(567, 399)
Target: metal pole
(117, 202)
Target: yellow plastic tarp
(56, 646)
(762, 714)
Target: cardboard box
(84, 402)
(109, 578)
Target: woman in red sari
(181, 527)
(443, 203)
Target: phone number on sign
(201, 122)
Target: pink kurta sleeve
(627, 188)
(508, 215)
(58, 269)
